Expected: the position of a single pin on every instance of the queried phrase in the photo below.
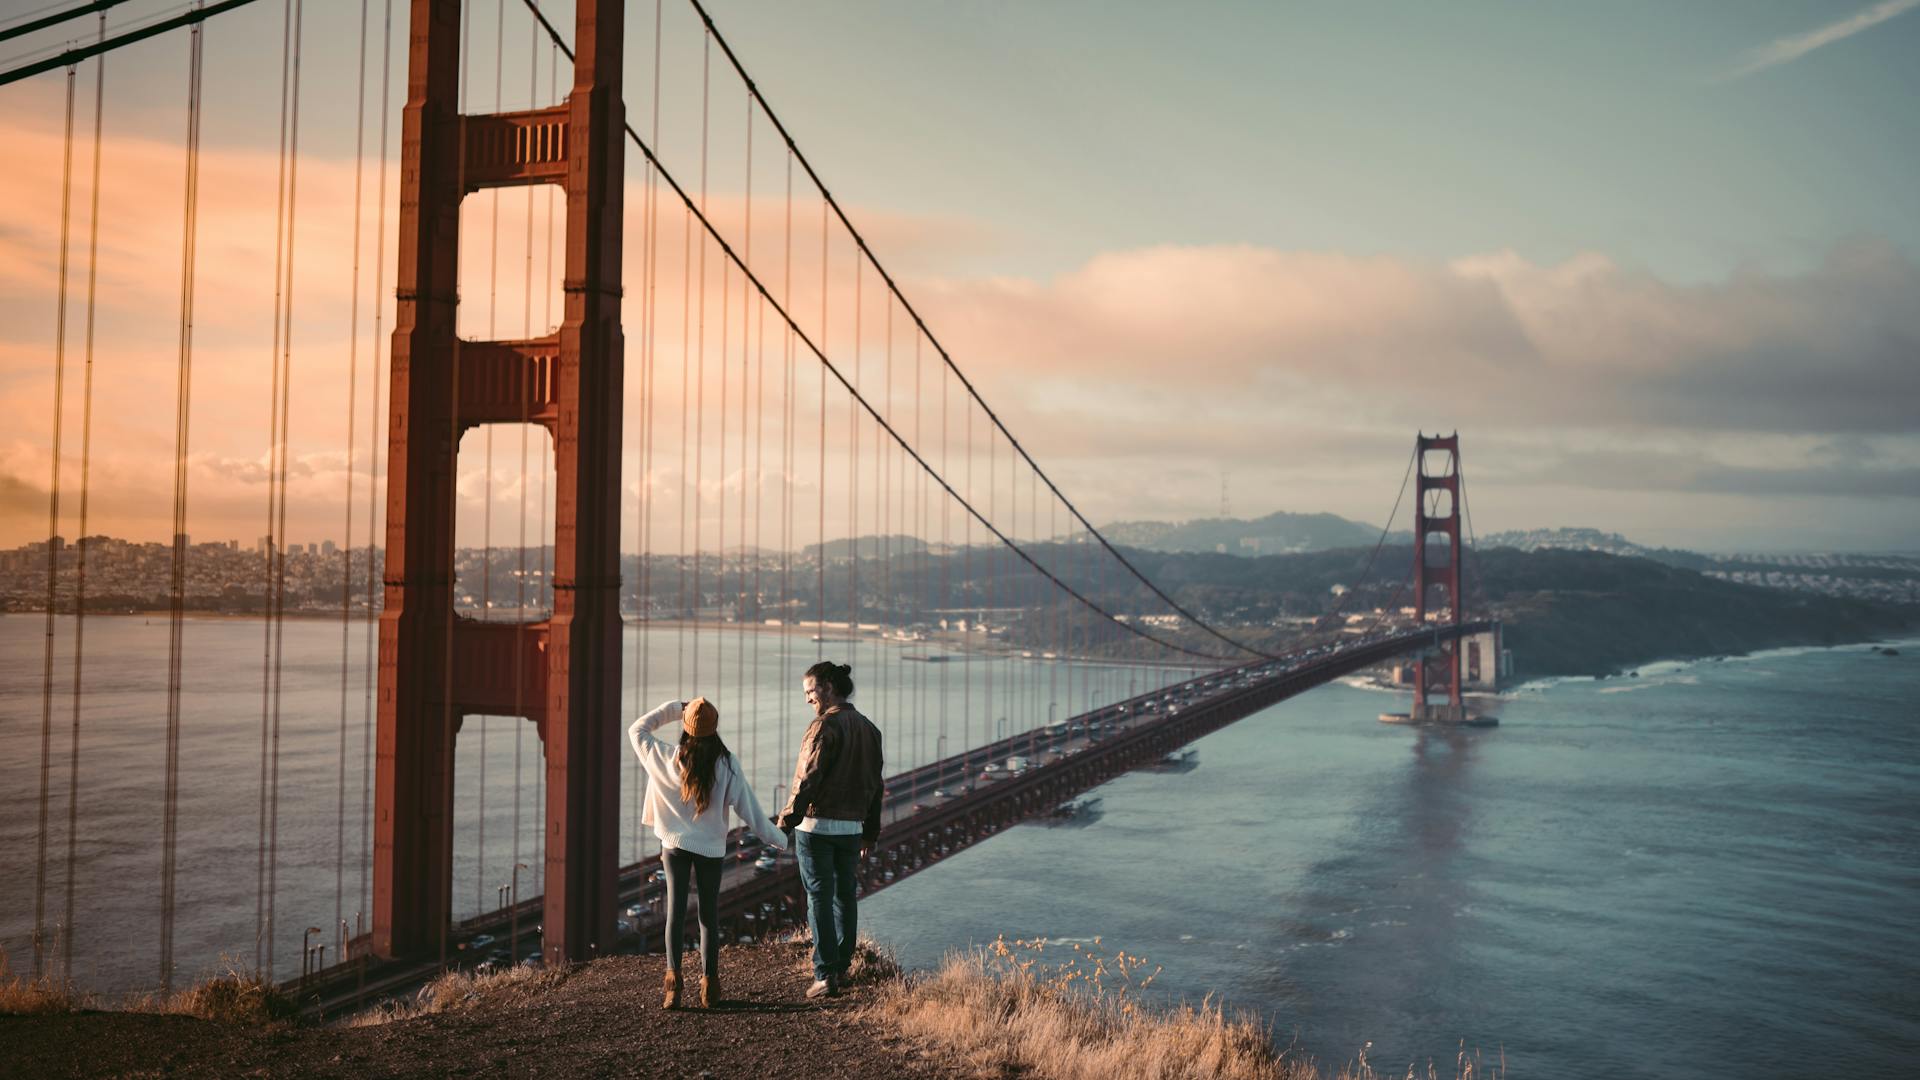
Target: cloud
(1699, 473)
(1148, 340)
(1788, 49)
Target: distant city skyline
(1655, 263)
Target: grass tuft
(1076, 1013)
(22, 995)
(240, 995)
(872, 961)
(462, 991)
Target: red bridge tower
(436, 667)
(1437, 513)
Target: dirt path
(602, 1020)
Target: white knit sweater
(673, 819)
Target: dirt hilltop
(602, 1019)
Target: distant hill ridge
(1279, 533)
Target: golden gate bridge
(831, 470)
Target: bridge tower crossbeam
(435, 667)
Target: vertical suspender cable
(373, 472)
(759, 503)
(546, 470)
(527, 384)
(820, 601)
(86, 471)
(720, 489)
(946, 566)
(346, 548)
(686, 422)
(853, 477)
(700, 375)
(486, 513)
(286, 422)
(272, 539)
(449, 716)
(644, 641)
(787, 470)
(886, 529)
(634, 777)
(968, 587)
(991, 569)
(740, 591)
(920, 533)
(170, 828)
(53, 553)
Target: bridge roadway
(930, 813)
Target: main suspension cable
(892, 287)
(32, 24)
(829, 368)
(73, 56)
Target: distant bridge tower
(436, 667)
(1437, 512)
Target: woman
(692, 786)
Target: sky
(1654, 262)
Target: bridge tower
(435, 666)
(1437, 513)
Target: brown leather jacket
(838, 775)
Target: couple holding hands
(831, 819)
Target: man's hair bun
(837, 676)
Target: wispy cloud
(1788, 49)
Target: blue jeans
(826, 870)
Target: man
(834, 817)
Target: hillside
(1275, 534)
(1566, 612)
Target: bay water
(1710, 869)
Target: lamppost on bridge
(940, 755)
(513, 939)
(307, 952)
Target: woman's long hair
(697, 757)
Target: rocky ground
(600, 1020)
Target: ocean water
(1711, 870)
(928, 710)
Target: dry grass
(1076, 1014)
(23, 995)
(238, 996)
(461, 991)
